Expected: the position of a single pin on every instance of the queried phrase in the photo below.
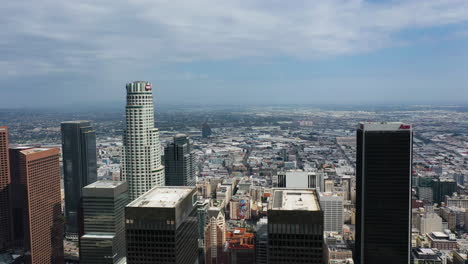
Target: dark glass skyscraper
(79, 170)
(206, 130)
(161, 226)
(104, 222)
(383, 198)
(179, 161)
(295, 227)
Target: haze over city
(206, 52)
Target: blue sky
(210, 52)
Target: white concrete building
(332, 206)
(299, 179)
(141, 157)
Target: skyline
(336, 51)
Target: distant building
(442, 240)
(179, 162)
(161, 226)
(425, 256)
(295, 227)
(442, 187)
(332, 207)
(206, 130)
(241, 246)
(338, 252)
(215, 235)
(141, 152)
(239, 208)
(39, 217)
(383, 195)
(104, 222)
(299, 179)
(329, 186)
(79, 170)
(5, 181)
(428, 221)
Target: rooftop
(75, 122)
(104, 184)
(34, 150)
(384, 126)
(162, 197)
(295, 199)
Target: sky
(68, 53)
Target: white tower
(141, 157)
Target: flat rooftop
(162, 197)
(34, 150)
(295, 199)
(103, 184)
(384, 126)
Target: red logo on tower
(148, 87)
(405, 126)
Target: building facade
(295, 227)
(79, 170)
(332, 206)
(383, 198)
(38, 170)
(215, 234)
(179, 162)
(104, 222)
(141, 151)
(161, 226)
(299, 179)
(5, 180)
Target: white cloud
(84, 35)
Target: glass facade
(383, 198)
(79, 170)
(104, 222)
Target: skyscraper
(179, 162)
(161, 226)
(295, 227)
(215, 234)
(4, 189)
(141, 152)
(104, 222)
(38, 170)
(383, 199)
(79, 170)
(206, 130)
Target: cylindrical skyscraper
(141, 157)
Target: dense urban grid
(234, 184)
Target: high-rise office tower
(141, 152)
(206, 130)
(442, 187)
(4, 189)
(383, 198)
(104, 222)
(332, 207)
(38, 172)
(295, 227)
(215, 234)
(161, 226)
(18, 203)
(179, 162)
(79, 170)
